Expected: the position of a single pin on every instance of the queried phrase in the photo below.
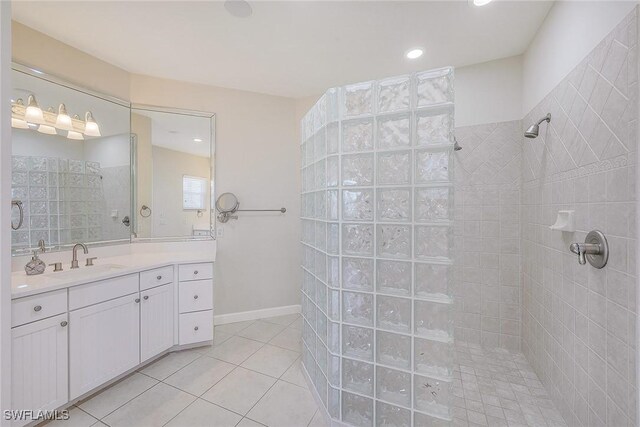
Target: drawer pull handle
(195, 272)
(159, 277)
(137, 300)
(195, 297)
(37, 308)
(195, 329)
(64, 323)
(146, 297)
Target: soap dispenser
(36, 265)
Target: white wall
(489, 92)
(570, 31)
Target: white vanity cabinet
(39, 371)
(195, 303)
(156, 321)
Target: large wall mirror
(174, 153)
(71, 169)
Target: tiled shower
(377, 208)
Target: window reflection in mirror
(70, 164)
(173, 173)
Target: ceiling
(287, 48)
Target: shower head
(456, 146)
(534, 129)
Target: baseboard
(242, 316)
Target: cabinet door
(39, 365)
(104, 342)
(156, 321)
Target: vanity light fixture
(63, 121)
(33, 113)
(91, 128)
(414, 53)
(17, 120)
(47, 129)
(75, 135)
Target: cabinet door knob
(195, 329)
(195, 297)
(37, 308)
(146, 297)
(195, 272)
(64, 323)
(137, 300)
(159, 277)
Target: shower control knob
(159, 277)
(196, 328)
(195, 297)
(595, 249)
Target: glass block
(432, 241)
(357, 169)
(432, 166)
(333, 138)
(357, 274)
(321, 295)
(394, 168)
(76, 166)
(393, 313)
(433, 320)
(393, 277)
(78, 221)
(432, 396)
(390, 415)
(63, 165)
(321, 328)
(434, 127)
(332, 205)
(333, 368)
(308, 283)
(321, 356)
(38, 207)
(332, 171)
(393, 386)
(320, 268)
(321, 204)
(333, 337)
(357, 342)
(432, 204)
(19, 178)
(433, 357)
(333, 238)
(334, 403)
(19, 163)
(92, 168)
(393, 131)
(333, 271)
(357, 135)
(321, 174)
(435, 87)
(394, 241)
(320, 141)
(357, 205)
(19, 237)
(357, 308)
(38, 178)
(357, 239)
(357, 410)
(36, 236)
(39, 222)
(357, 376)
(393, 349)
(432, 281)
(394, 204)
(38, 163)
(20, 193)
(37, 193)
(426, 420)
(358, 99)
(394, 94)
(53, 179)
(321, 235)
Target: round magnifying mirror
(227, 202)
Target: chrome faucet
(74, 260)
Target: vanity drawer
(103, 290)
(36, 307)
(195, 271)
(156, 277)
(195, 295)
(196, 327)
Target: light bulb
(75, 135)
(33, 113)
(47, 129)
(91, 127)
(19, 123)
(414, 53)
(63, 121)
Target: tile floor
(252, 377)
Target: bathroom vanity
(74, 332)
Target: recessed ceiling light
(238, 8)
(414, 53)
(197, 140)
(481, 2)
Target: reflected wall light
(75, 135)
(91, 128)
(63, 121)
(33, 113)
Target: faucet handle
(90, 261)
(579, 250)
(595, 249)
(57, 266)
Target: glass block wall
(377, 243)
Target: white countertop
(23, 285)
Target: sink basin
(85, 271)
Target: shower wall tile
(487, 287)
(578, 323)
(377, 236)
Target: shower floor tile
(497, 387)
